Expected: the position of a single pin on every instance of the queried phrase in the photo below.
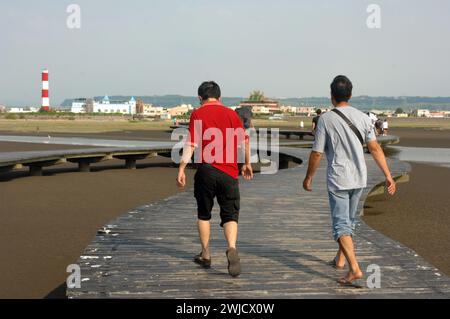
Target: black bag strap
(350, 124)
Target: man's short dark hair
(209, 90)
(341, 89)
(318, 111)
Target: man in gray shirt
(347, 171)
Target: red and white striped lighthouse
(45, 96)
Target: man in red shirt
(216, 133)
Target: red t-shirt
(217, 131)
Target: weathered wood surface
(285, 243)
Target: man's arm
(316, 153)
(379, 157)
(314, 162)
(247, 170)
(185, 159)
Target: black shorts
(210, 183)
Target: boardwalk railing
(37, 160)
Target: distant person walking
(385, 127)
(376, 123)
(245, 114)
(316, 120)
(379, 127)
(217, 174)
(341, 135)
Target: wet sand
(418, 215)
(420, 137)
(46, 222)
(150, 135)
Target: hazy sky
(285, 48)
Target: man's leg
(230, 230)
(346, 242)
(346, 245)
(204, 232)
(229, 201)
(340, 258)
(234, 263)
(204, 194)
(342, 218)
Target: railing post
(84, 166)
(130, 163)
(35, 170)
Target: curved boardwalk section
(285, 243)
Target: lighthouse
(45, 96)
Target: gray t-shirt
(346, 165)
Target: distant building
(79, 106)
(421, 113)
(288, 109)
(165, 116)
(122, 107)
(266, 105)
(260, 110)
(23, 110)
(151, 111)
(180, 110)
(437, 115)
(298, 110)
(306, 110)
(402, 115)
(105, 106)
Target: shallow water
(433, 156)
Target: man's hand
(181, 179)
(314, 162)
(378, 154)
(307, 183)
(391, 187)
(247, 171)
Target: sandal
(205, 263)
(234, 262)
(348, 283)
(334, 264)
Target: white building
(288, 109)
(437, 115)
(260, 110)
(23, 110)
(152, 111)
(180, 110)
(306, 110)
(78, 106)
(166, 116)
(106, 106)
(111, 107)
(421, 113)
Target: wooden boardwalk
(285, 243)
